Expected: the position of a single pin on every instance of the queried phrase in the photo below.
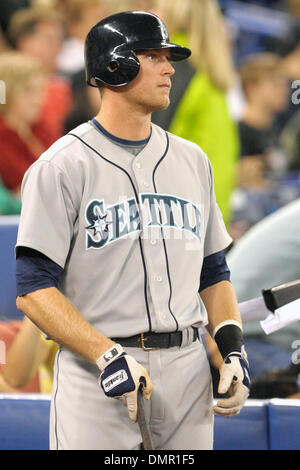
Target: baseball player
(119, 233)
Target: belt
(155, 340)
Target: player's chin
(160, 104)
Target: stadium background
(240, 102)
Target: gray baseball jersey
(130, 232)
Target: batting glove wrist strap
(121, 379)
(229, 338)
(109, 356)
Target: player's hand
(121, 378)
(234, 379)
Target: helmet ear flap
(117, 69)
(113, 66)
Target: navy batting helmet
(110, 47)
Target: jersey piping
(54, 399)
(136, 195)
(163, 240)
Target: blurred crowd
(237, 97)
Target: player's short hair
(24, 22)
(16, 70)
(258, 67)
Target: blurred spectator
(288, 122)
(20, 141)
(8, 8)
(294, 7)
(266, 90)
(39, 33)
(265, 3)
(9, 202)
(80, 16)
(45, 3)
(145, 5)
(266, 256)
(8, 332)
(199, 109)
(262, 162)
(29, 358)
(3, 43)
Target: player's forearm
(54, 314)
(221, 304)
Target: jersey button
(153, 242)
(147, 185)
(159, 278)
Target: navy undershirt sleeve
(214, 269)
(35, 271)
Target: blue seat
(245, 431)
(284, 422)
(8, 237)
(24, 421)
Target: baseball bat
(271, 299)
(142, 422)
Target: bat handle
(141, 418)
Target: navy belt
(151, 341)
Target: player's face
(151, 88)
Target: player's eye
(156, 57)
(152, 57)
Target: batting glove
(234, 379)
(121, 377)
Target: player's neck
(124, 122)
